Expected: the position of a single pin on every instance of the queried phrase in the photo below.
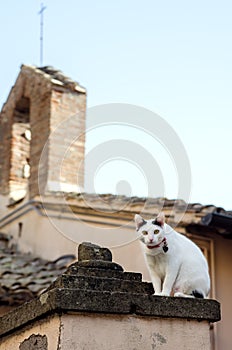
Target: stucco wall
(49, 327)
(115, 332)
(132, 333)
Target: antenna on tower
(42, 8)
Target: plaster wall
(132, 333)
(116, 332)
(50, 327)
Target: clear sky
(171, 57)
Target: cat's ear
(139, 221)
(160, 219)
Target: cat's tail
(198, 294)
(195, 294)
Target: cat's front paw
(161, 294)
(182, 295)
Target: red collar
(157, 245)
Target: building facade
(45, 212)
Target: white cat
(176, 264)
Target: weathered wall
(55, 115)
(47, 329)
(103, 332)
(132, 333)
(66, 142)
(20, 159)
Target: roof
(54, 77)
(111, 209)
(193, 212)
(57, 77)
(25, 276)
(113, 201)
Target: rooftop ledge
(95, 284)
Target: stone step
(103, 284)
(75, 269)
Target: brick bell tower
(42, 133)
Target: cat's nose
(151, 240)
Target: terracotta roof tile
(24, 276)
(107, 202)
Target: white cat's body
(176, 264)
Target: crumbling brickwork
(52, 108)
(20, 147)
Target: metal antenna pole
(42, 8)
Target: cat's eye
(144, 233)
(156, 232)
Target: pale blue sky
(172, 57)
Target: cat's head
(151, 231)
